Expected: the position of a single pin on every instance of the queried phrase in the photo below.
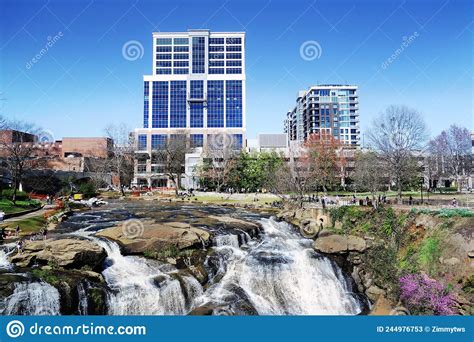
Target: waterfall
(144, 287)
(281, 275)
(227, 240)
(37, 298)
(6, 250)
(83, 305)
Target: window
(234, 70)
(216, 56)
(197, 140)
(233, 48)
(216, 63)
(163, 56)
(232, 40)
(180, 71)
(196, 108)
(163, 41)
(163, 64)
(159, 115)
(146, 92)
(233, 103)
(234, 56)
(180, 56)
(142, 142)
(215, 104)
(216, 40)
(163, 49)
(158, 141)
(178, 104)
(216, 48)
(180, 63)
(198, 55)
(181, 48)
(181, 41)
(216, 70)
(163, 71)
(233, 63)
(237, 141)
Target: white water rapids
(277, 274)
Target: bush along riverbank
(404, 261)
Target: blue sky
(83, 83)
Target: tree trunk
(399, 190)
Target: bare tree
(396, 135)
(452, 147)
(219, 160)
(369, 173)
(121, 154)
(171, 155)
(17, 146)
(292, 176)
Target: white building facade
(325, 109)
(197, 88)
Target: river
(274, 273)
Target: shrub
(423, 295)
(429, 254)
(20, 195)
(88, 190)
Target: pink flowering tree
(423, 295)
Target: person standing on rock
(19, 246)
(17, 230)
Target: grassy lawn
(28, 225)
(8, 208)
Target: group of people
(8, 234)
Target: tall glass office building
(197, 88)
(325, 109)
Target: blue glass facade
(215, 103)
(178, 104)
(158, 141)
(159, 114)
(197, 107)
(197, 140)
(142, 142)
(199, 49)
(146, 92)
(233, 102)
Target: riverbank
(389, 250)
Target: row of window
(195, 140)
(227, 63)
(176, 71)
(198, 56)
(222, 48)
(185, 41)
(177, 48)
(178, 102)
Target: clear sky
(82, 82)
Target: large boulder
(148, 235)
(67, 253)
(340, 244)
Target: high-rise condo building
(197, 88)
(325, 109)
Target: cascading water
(280, 275)
(37, 298)
(144, 287)
(6, 250)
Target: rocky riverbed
(172, 258)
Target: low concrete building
(98, 147)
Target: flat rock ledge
(67, 253)
(152, 236)
(340, 244)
